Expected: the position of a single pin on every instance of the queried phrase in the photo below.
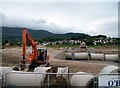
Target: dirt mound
(60, 55)
(54, 82)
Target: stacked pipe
(20, 78)
(82, 56)
(85, 80)
(3, 71)
(34, 79)
(109, 69)
(91, 56)
(109, 76)
(81, 80)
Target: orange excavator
(37, 57)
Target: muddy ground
(12, 57)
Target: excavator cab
(41, 54)
(42, 58)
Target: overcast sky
(61, 17)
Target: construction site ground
(12, 57)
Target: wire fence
(56, 80)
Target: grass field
(88, 46)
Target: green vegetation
(13, 37)
(63, 45)
(11, 34)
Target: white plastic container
(81, 56)
(97, 56)
(80, 80)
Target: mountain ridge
(15, 33)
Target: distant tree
(6, 41)
(89, 41)
(100, 36)
(43, 39)
(3, 43)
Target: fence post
(48, 80)
(95, 85)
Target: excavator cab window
(41, 54)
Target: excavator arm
(33, 56)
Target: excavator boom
(33, 56)
(24, 43)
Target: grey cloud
(39, 24)
(110, 28)
(66, 14)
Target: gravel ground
(12, 57)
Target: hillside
(16, 34)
